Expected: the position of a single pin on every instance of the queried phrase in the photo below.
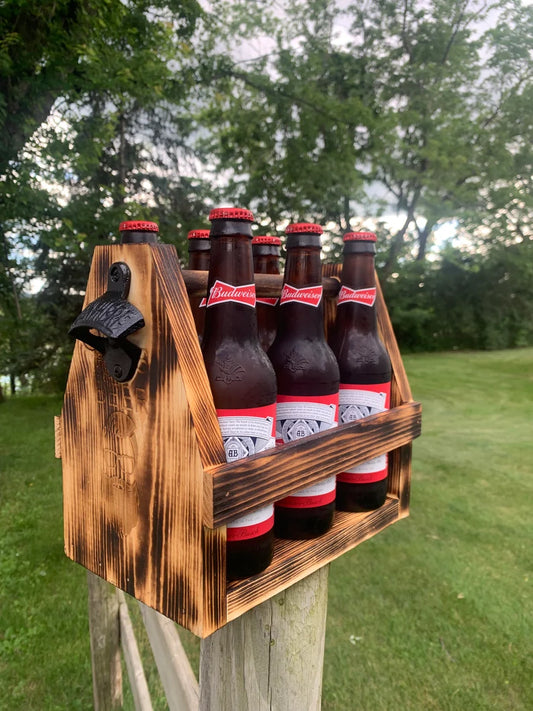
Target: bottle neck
(303, 268)
(357, 274)
(230, 263)
(138, 237)
(266, 259)
(199, 258)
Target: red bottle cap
(138, 226)
(359, 237)
(267, 239)
(306, 227)
(198, 234)
(231, 213)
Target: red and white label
(355, 403)
(221, 293)
(267, 301)
(203, 303)
(309, 295)
(367, 297)
(246, 432)
(296, 417)
(251, 525)
(311, 496)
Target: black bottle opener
(114, 317)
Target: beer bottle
(199, 251)
(365, 368)
(138, 232)
(307, 377)
(242, 379)
(266, 249)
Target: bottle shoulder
(304, 363)
(241, 375)
(362, 354)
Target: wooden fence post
(270, 658)
(104, 627)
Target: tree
(94, 128)
(415, 102)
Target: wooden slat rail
(236, 488)
(177, 676)
(112, 630)
(136, 675)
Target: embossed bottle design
(242, 379)
(266, 253)
(199, 248)
(365, 368)
(307, 377)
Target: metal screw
(115, 274)
(117, 371)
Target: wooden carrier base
(147, 490)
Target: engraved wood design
(147, 491)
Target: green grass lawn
(433, 613)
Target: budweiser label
(356, 402)
(222, 292)
(267, 301)
(203, 303)
(367, 297)
(299, 417)
(251, 525)
(309, 295)
(311, 496)
(246, 432)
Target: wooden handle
(265, 284)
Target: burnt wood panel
(400, 390)
(189, 353)
(133, 478)
(249, 483)
(294, 560)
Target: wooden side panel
(194, 375)
(400, 476)
(132, 471)
(400, 390)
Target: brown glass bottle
(199, 248)
(242, 379)
(266, 253)
(307, 377)
(138, 232)
(365, 368)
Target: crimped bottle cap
(198, 234)
(231, 213)
(359, 237)
(267, 239)
(138, 226)
(304, 227)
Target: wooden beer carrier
(147, 490)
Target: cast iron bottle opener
(115, 318)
